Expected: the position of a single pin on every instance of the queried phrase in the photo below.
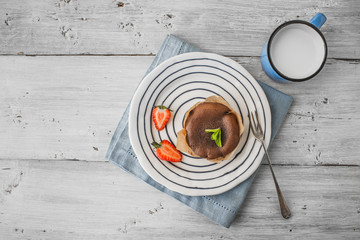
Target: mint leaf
(216, 136)
(211, 130)
(218, 140)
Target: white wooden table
(68, 69)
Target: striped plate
(179, 83)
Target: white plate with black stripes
(179, 83)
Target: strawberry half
(166, 151)
(160, 116)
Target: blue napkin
(221, 208)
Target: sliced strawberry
(166, 151)
(160, 116)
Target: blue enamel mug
(296, 51)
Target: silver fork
(259, 135)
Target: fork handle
(285, 211)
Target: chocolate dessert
(205, 122)
(210, 115)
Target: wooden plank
(139, 27)
(68, 108)
(97, 200)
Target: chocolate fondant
(212, 115)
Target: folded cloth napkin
(221, 208)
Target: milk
(297, 51)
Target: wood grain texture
(97, 200)
(68, 107)
(138, 27)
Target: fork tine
(254, 122)
(259, 125)
(251, 125)
(256, 115)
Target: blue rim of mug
(274, 34)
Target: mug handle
(318, 20)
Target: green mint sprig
(216, 136)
